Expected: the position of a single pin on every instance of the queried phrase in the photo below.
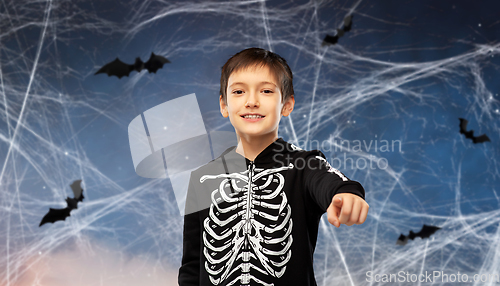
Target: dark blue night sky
(404, 75)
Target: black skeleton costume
(256, 222)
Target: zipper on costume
(250, 171)
(248, 215)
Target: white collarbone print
(247, 235)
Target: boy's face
(255, 91)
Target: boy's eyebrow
(261, 83)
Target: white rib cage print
(247, 235)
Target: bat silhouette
(332, 40)
(61, 214)
(425, 232)
(120, 69)
(470, 134)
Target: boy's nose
(252, 101)
(252, 104)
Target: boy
(252, 214)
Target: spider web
(382, 104)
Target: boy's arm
(342, 198)
(189, 272)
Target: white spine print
(247, 235)
(332, 169)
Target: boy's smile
(254, 104)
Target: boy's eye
(241, 91)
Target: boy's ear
(288, 106)
(223, 107)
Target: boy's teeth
(253, 116)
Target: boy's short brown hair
(259, 57)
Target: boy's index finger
(346, 210)
(337, 201)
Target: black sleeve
(189, 272)
(323, 181)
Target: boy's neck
(250, 147)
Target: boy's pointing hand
(347, 209)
